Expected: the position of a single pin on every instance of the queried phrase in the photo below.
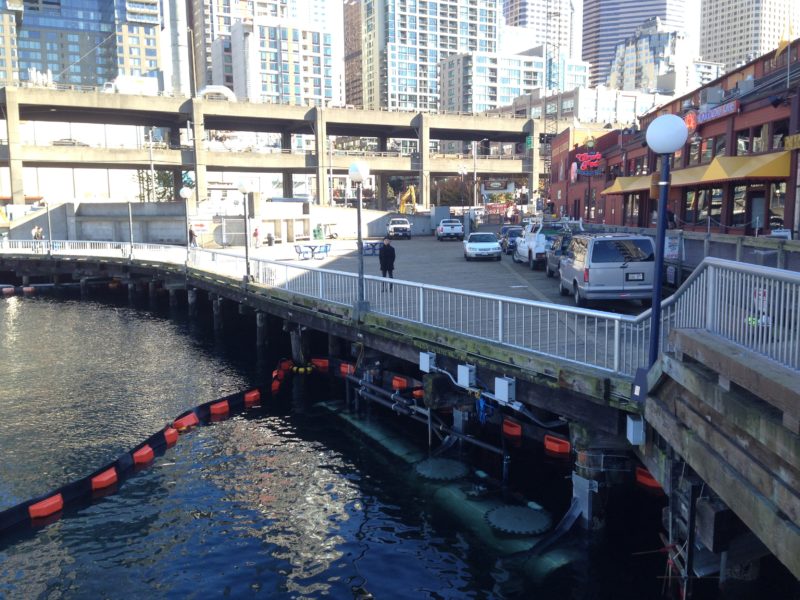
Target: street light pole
(244, 188)
(186, 193)
(152, 193)
(665, 135)
(359, 172)
(49, 230)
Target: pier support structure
(262, 321)
(299, 341)
(216, 309)
(191, 299)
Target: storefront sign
(792, 142)
(723, 110)
(589, 163)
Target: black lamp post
(359, 172)
(665, 135)
(244, 188)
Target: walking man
(386, 258)
(192, 238)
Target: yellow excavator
(407, 202)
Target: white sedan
(482, 245)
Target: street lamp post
(462, 171)
(186, 193)
(244, 188)
(49, 230)
(475, 170)
(359, 172)
(665, 135)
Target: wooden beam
(766, 378)
(778, 533)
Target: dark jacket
(386, 257)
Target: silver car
(616, 266)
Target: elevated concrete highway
(203, 116)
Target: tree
(164, 186)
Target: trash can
(317, 232)
(270, 239)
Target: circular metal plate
(441, 469)
(519, 520)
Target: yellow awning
(626, 185)
(730, 168)
(688, 176)
(764, 166)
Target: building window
(742, 142)
(777, 203)
(719, 145)
(694, 150)
(706, 150)
(739, 206)
(780, 129)
(760, 138)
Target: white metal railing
(756, 307)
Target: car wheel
(561, 289)
(576, 294)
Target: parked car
(553, 255)
(615, 266)
(398, 227)
(509, 237)
(450, 228)
(482, 245)
(536, 238)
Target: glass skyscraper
(87, 42)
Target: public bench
(312, 251)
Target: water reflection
(83, 382)
(299, 489)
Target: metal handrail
(755, 307)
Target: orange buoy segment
(556, 445)
(285, 365)
(645, 478)
(321, 364)
(418, 393)
(399, 383)
(220, 408)
(170, 435)
(106, 478)
(512, 429)
(276, 387)
(8, 291)
(29, 290)
(251, 398)
(46, 507)
(280, 375)
(143, 455)
(346, 369)
(186, 422)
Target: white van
(612, 266)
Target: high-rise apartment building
(657, 58)
(480, 81)
(404, 40)
(734, 32)
(553, 22)
(606, 23)
(283, 61)
(87, 42)
(353, 75)
(212, 20)
(10, 17)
